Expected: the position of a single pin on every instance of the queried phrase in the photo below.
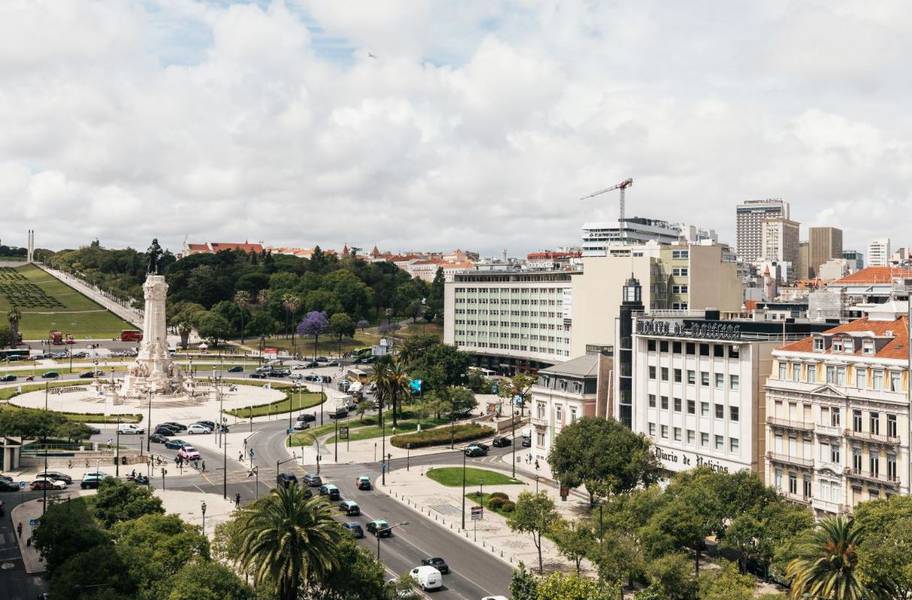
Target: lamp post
(318, 464)
(203, 508)
(382, 447)
(513, 433)
(44, 492)
(389, 528)
(336, 440)
(408, 450)
(225, 470)
(148, 428)
(463, 486)
(322, 399)
(279, 463)
(116, 450)
(164, 472)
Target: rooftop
(581, 366)
(896, 332)
(874, 275)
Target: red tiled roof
(875, 275)
(553, 255)
(246, 247)
(897, 347)
(198, 247)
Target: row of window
(520, 324)
(718, 440)
(845, 345)
(693, 348)
(515, 336)
(718, 379)
(880, 379)
(520, 347)
(506, 290)
(505, 312)
(734, 412)
(461, 300)
(829, 490)
(832, 416)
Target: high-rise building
(824, 243)
(749, 226)
(879, 252)
(801, 270)
(781, 242)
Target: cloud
(478, 125)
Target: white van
(428, 578)
(346, 402)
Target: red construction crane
(620, 186)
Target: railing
(878, 478)
(796, 498)
(791, 460)
(830, 430)
(789, 424)
(831, 507)
(867, 436)
(539, 421)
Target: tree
(65, 530)
(213, 327)
(124, 500)
(290, 302)
(517, 390)
(621, 560)
(6, 337)
(185, 321)
(558, 586)
(392, 383)
(261, 324)
(414, 310)
(435, 296)
(756, 533)
(207, 580)
(362, 323)
(827, 562)
(289, 539)
(604, 456)
(314, 324)
(884, 553)
(243, 299)
(678, 524)
(534, 514)
(362, 578)
(523, 584)
(342, 326)
(91, 573)
(574, 540)
(726, 584)
(671, 578)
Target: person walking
(204, 466)
(237, 500)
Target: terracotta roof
(897, 347)
(874, 275)
(246, 247)
(552, 255)
(198, 247)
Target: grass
(442, 435)
(73, 312)
(10, 392)
(309, 436)
(369, 428)
(291, 402)
(452, 477)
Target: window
(733, 445)
(720, 381)
(840, 375)
(818, 344)
(690, 436)
(867, 346)
(734, 352)
(690, 348)
(782, 371)
(891, 467)
(861, 378)
(734, 413)
(664, 373)
(796, 372)
(676, 347)
(720, 442)
(704, 349)
(652, 429)
(856, 420)
(691, 377)
(719, 351)
(877, 377)
(835, 417)
(837, 345)
(652, 372)
(704, 439)
(856, 459)
(831, 374)
(572, 415)
(665, 431)
(664, 402)
(812, 373)
(663, 346)
(704, 409)
(679, 271)
(874, 464)
(891, 426)
(778, 479)
(834, 454)
(895, 385)
(704, 378)
(540, 439)
(734, 382)
(652, 400)
(651, 345)
(720, 411)
(677, 405)
(807, 487)
(677, 434)
(874, 422)
(691, 407)
(677, 375)
(793, 483)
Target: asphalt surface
(15, 583)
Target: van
(428, 578)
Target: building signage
(675, 460)
(716, 331)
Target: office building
(855, 260)
(801, 270)
(879, 252)
(838, 413)
(781, 242)
(598, 236)
(824, 243)
(749, 225)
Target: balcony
(789, 424)
(835, 508)
(804, 463)
(872, 438)
(829, 430)
(539, 421)
(879, 479)
(797, 498)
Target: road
(15, 583)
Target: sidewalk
(130, 315)
(443, 505)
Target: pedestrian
(237, 500)
(28, 541)
(133, 473)
(19, 529)
(240, 457)
(204, 466)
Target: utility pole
(44, 487)
(148, 428)
(116, 450)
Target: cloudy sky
(431, 124)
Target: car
(209, 424)
(300, 425)
(158, 438)
(175, 426)
(236, 369)
(87, 375)
(495, 598)
(379, 527)
(312, 480)
(364, 482)
(56, 476)
(198, 428)
(188, 453)
(330, 491)
(473, 451)
(50, 375)
(258, 375)
(315, 378)
(8, 378)
(8, 486)
(350, 508)
(332, 363)
(436, 562)
(427, 578)
(47, 484)
(502, 441)
(129, 429)
(321, 359)
(164, 430)
(286, 479)
(354, 529)
(6, 478)
(92, 480)
(307, 417)
(527, 441)
(339, 413)
(175, 444)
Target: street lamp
(463, 486)
(389, 528)
(44, 487)
(203, 507)
(279, 463)
(116, 450)
(408, 450)
(148, 428)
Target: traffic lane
(423, 538)
(15, 583)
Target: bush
(500, 495)
(496, 504)
(441, 435)
(508, 506)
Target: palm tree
(289, 539)
(392, 383)
(826, 566)
(291, 303)
(243, 300)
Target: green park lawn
(291, 402)
(309, 436)
(368, 428)
(46, 303)
(452, 477)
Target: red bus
(130, 335)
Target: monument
(153, 370)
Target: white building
(598, 236)
(780, 241)
(879, 253)
(749, 225)
(838, 413)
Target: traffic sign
(22, 485)
(477, 513)
(343, 433)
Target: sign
(712, 330)
(674, 460)
(477, 513)
(33, 523)
(343, 433)
(270, 353)
(415, 386)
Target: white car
(428, 578)
(129, 429)
(58, 485)
(197, 428)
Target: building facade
(824, 243)
(855, 259)
(879, 253)
(780, 241)
(750, 216)
(838, 413)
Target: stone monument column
(152, 369)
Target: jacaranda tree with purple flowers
(315, 323)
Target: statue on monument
(14, 317)
(155, 255)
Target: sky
(421, 124)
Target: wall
(713, 283)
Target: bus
(131, 335)
(483, 372)
(14, 354)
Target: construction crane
(620, 186)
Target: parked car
(175, 426)
(198, 428)
(209, 424)
(87, 375)
(350, 508)
(56, 476)
(8, 378)
(322, 359)
(436, 562)
(188, 453)
(129, 429)
(300, 425)
(286, 479)
(364, 482)
(175, 444)
(307, 417)
(236, 369)
(330, 491)
(8, 486)
(92, 480)
(164, 430)
(473, 451)
(502, 441)
(427, 578)
(50, 375)
(256, 375)
(47, 484)
(379, 528)
(354, 529)
(312, 480)
(527, 441)
(158, 438)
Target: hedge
(442, 435)
(508, 506)
(500, 495)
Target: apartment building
(698, 387)
(750, 217)
(838, 413)
(509, 320)
(780, 241)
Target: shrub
(500, 495)
(496, 504)
(508, 506)
(441, 435)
